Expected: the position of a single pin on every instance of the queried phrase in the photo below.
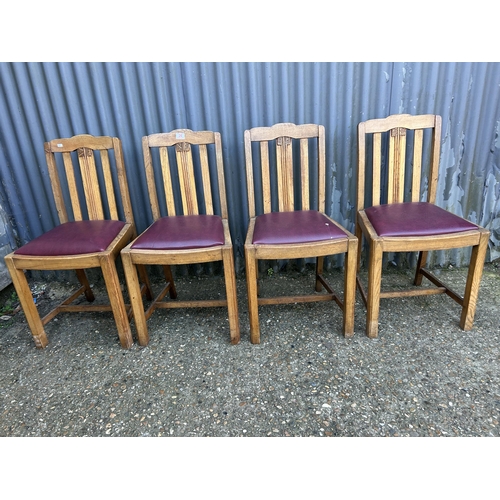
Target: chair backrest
(283, 184)
(93, 182)
(397, 153)
(192, 178)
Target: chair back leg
(319, 272)
(167, 272)
(422, 259)
(82, 278)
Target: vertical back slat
(220, 175)
(435, 150)
(396, 166)
(321, 168)
(266, 176)
(304, 173)
(360, 190)
(186, 178)
(249, 169)
(108, 182)
(284, 164)
(150, 178)
(122, 180)
(417, 165)
(56, 184)
(167, 180)
(205, 173)
(377, 160)
(399, 174)
(390, 168)
(90, 183)
(73, 191)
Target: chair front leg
(253, 305)
(116, 300)
(373, 291)
(134, 292)
(350, 287)
(476, 265)
(26, 299)
(231, 295)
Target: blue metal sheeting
(43, 101)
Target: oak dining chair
(95, 224)
(285, 166)
(190, 225)
(400, 214)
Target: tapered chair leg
(145, 280)
(319, 272)
(476, 265)
(116, 300)
(231, 295)
(359, 236)
(373, 290)
(28, 305)
(167, 272)
(82, 278)
(422, 259)
(253, 306)
(350, 287)
(257, 285)
(134, 291)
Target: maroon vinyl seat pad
(302, 226)
(74, 238)
(182, 232)
(415, 219)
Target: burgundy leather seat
(294, 227)
(415, 219)
(182, 232)
(74, 238)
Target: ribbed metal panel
(43, 101)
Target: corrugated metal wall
(43, 101)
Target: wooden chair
(402, 219)
(190, 233)
(90, 235)
(294, 225)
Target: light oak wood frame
(284, 134)
(183, 140)
(395, 127)
(86, 147)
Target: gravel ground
(423, 376)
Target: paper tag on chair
(180, 135)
